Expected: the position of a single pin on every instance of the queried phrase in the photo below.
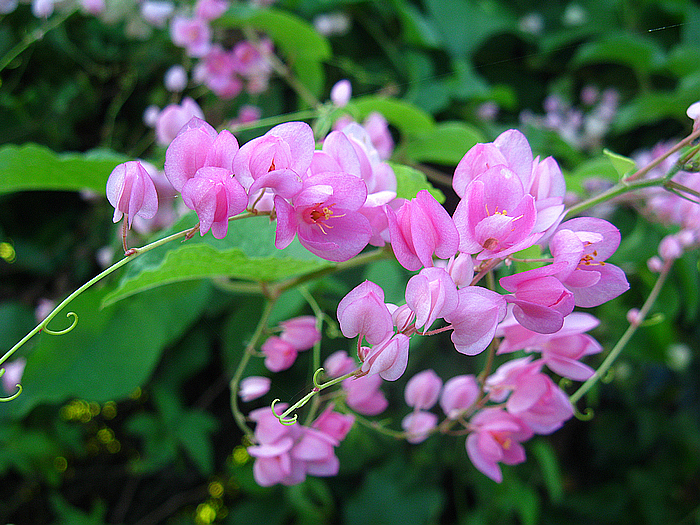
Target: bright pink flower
(132, 192)
(495, 438)
(273, 463)
(301, 332)
(418, 425)
(388, 358)
(540, 300)
(430, 295)
(195, 147)
(422, 390)
(324, 217)
(364, 396)
(561, 350)
(584, 244)
(193, 34)
(215, 195)
(496, 216)
(217, 71)
(363, 312)
(459, 394)
(475, 319)
(172, 119)
(420, 229)
(253, 387)
(278, 160)
(279, 354)
(251, 60)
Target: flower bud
(422, 390)
(254, 387)
(132, 192)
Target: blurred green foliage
(127, 419)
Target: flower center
(589, 260)
(320, 214)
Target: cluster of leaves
(163, 340)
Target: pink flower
(420, 229)
(279, 354)
(175, 79)
(584, 244)
(132, 192)
(431, 294)
(540, 300)
(300, 332)
(324, 217)
(339, 363)
(459, 394)
(418, 425)
(378, 130)
(496, 216)
(422, 390)
(364, 396)
(363, 312)
(475, 319)
(196, 146)
(193, 34)
(461, 269)
(210, 9)
(334, 424)
(217, 72)
(253, 387)
(388, 358)
(495, 438)
(561, 350)
(278, 160)
(157, 12)
(539, 403)
(172, 119)
(215, 195)
(13, 374)
(341, 93)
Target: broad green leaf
(406, 117)
(596, 168)
(111, 351)
(641, 54)
(623, 165)
(35, 167)
(549, 465)
(410, 181)
(445, 144)
(248, 252)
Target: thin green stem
(643, 171)
(248, 352)
(615, 352)
(33, 37)
(621, 187)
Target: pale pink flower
(172, 119)
(132, 192)
(388, 358)
(301, 332)
(475, 319)
(253, 387)
(461, 269)
(13, 374)
(210, 9)
(364, 396)
(495, 438)
(418, 425)
(431, 295)
(339, 363)
(363, 312)
(175, 79)
(422, 390)
(459, 394)
(157, 12)
(193, 34)
(341, 93)
(279, 354)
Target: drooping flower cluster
(338, 199)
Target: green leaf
(406, 117)
(35, 167)
(640, 54)
(110, 352)
(248, 252)
(549, 465)
(410, 181)
(598, 168)
(623, 165)
(445, 144)
(194, 435)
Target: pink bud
(633, 317)
(132, 192)
(431, 294)
(279, 354)
(459, 394)
(301, 332)
(339, 363)
(389, 358)
(175, 79)
(334, 424)
(670, 248)
(418, 425)
(363, 312)
(364, 395)
(254, 387)
(422, 390)
(341, 93)
(461, 269)
(655, 264)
